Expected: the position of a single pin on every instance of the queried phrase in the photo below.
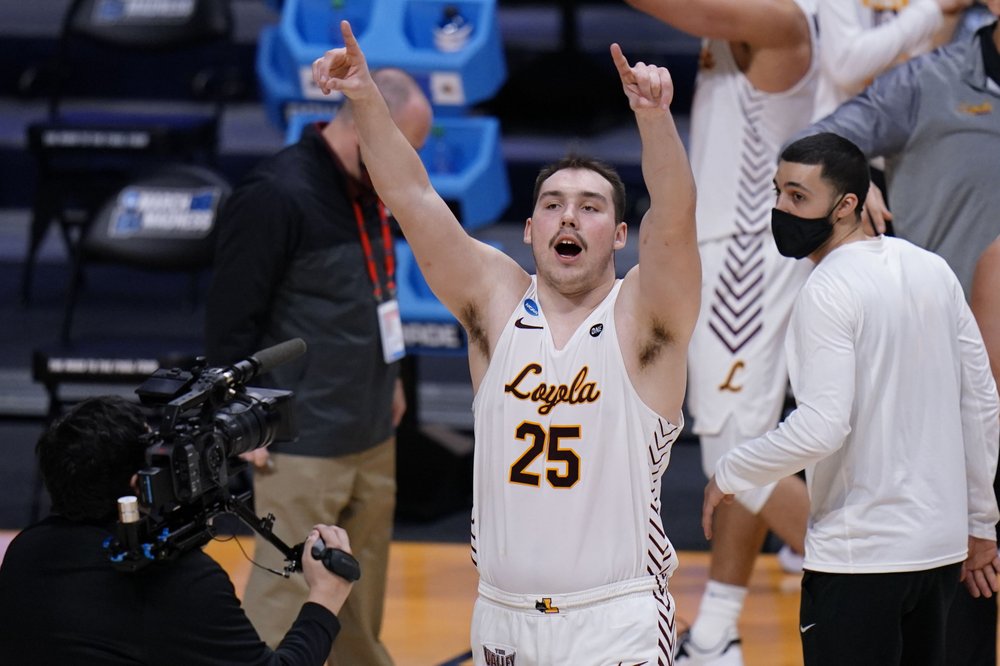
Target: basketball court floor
(432, 588)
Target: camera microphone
(264, 361)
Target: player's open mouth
(567, 248)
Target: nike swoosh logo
(806, 628)
(520, 324)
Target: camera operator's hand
(259, 458)
(325, 587)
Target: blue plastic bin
(393, 33)
(428, 327)
(281, 93)
(465, 165)
(463, 160)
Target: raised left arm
(666, 285)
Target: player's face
(573, 232)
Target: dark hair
(88, 457)
(843, 164)
(602, 169)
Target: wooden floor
(432, 588)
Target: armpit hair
(652, 346)
(472, 320)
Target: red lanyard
(366, 245)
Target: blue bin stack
(393, 33)
(453, 50)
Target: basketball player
(579, 380)
(756, 86)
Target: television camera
(207, 417)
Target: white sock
(720, 609)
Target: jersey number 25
(566, 458)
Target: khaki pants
(356, 492)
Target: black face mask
(799, 237)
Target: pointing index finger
(619, 58)
(350, 42)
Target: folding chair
(86, 148)
(164, 221)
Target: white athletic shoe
(727, 653)
(790, 561)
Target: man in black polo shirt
(305, 251)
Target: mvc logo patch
(499, 655)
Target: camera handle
(263, 527)
(334, 559)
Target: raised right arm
(852, 56)
(770, 39)
(760, 23)
(459, 269)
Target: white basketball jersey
(568, 461)
(736, 134)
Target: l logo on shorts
(544, 605)
(499, 655)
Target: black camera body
(208, 417)
(205, 418)
(197, 454)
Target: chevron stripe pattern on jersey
(660, 557)
(735, 312)
(666, 626)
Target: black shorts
(876, 619)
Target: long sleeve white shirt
(859, 41)
(898, 421)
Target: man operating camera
(62, 601)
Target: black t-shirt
(62, 602)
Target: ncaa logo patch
(531, 307)
(499, 655)
(596, 330)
